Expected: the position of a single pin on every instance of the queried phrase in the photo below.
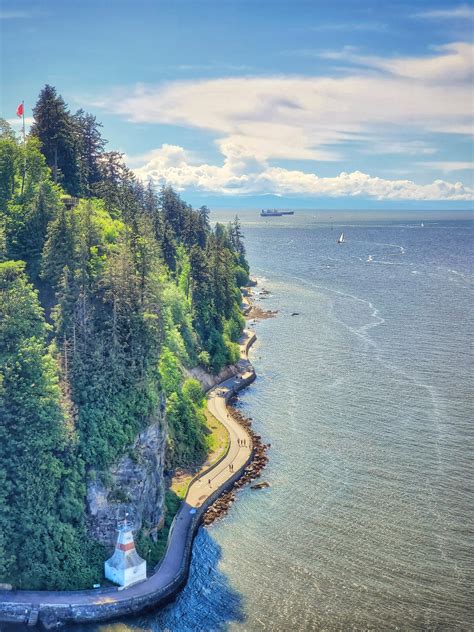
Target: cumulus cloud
(259, 121)
(241, 174)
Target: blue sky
(338, 104)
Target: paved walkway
(188, 515)
(240, 442)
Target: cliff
(208, 380)
(134, 484)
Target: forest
(108, 290)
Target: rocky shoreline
(53, 608)
(253, 470)
(259, 449)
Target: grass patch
(217, 441)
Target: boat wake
(401, 249)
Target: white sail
(341, 239)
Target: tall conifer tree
(55, 128)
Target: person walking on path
(209, 481)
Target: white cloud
(259, 121)
(242, 174)
(309, 118)
(18, 121)
(405, 147)
(452, 63)
(462, 11)
(449, 166)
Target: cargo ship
(275, 213)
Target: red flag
(20, 110)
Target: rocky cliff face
(135, 484)
(208, 380)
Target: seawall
(51, 608)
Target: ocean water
(366, 397)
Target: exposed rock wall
(208, 380)
(134, 484)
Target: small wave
(401, 248)
(465, 277)
(391, 263)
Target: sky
(246, 103)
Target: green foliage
(32, 202)
(55, 128)
(42, 518)
(193, 391)
(187, 430)
(153, 550)
(204, 359)
(135, 286)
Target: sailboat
(422, 225)
(341, 239)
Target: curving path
(53, 607)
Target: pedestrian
(209, 481)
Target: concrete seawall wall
(90, 606)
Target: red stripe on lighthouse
(126, 547)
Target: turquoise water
(366, 398)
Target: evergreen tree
(236, 236)
(33, 442)
(56, 129)
(90, 147)
(173, 209)
(140, 287)
(59, 250)
(9, 156)
(115, 184)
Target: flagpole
(24, 148)
(23, 113)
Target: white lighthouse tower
(125, 567)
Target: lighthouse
(125, 567)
